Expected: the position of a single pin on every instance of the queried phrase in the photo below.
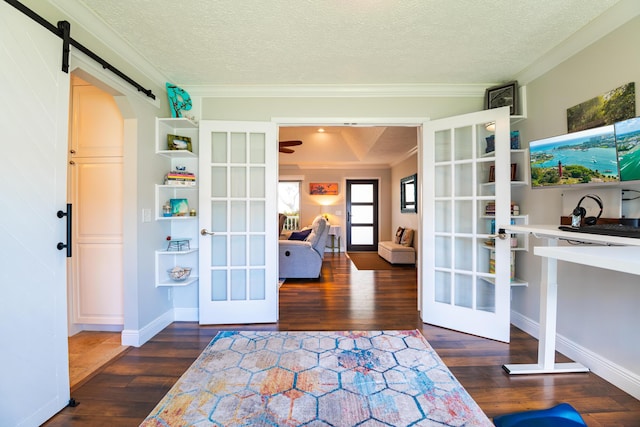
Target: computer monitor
(628, 143)
(578, 159)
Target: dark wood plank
(125, 391)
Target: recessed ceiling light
(320, 130)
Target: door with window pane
(238, 280)
(362, 215)
(466, 267)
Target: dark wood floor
(124, 392)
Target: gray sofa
(302, 259)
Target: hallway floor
(89, 351)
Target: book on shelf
(180, 178)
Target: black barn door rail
(63, 30)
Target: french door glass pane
(486, 296)
(443, 146)
(257, 217)
(257, 148)
(238, 182)
(238, 251)
(218, 285)
(256, 284)
(464, 176)
(238, 148)
(257, 187)
(463, 290)
(218, 147)
(443, 181)
(218, 251)
(443, 217)
(463, 145)
(256, 251)
(443, 254)
(219, 181)
(443, 287)
(463, 216)
(238, 285)
(361, 235)
(463, 250)
(238, 216)
(219, 216)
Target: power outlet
(146, 215)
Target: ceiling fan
(283, 146)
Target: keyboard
(619, 230)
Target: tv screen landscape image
(628, 142)
(580, 158)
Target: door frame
(376, 213)
(417, 122)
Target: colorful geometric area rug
(351, 378)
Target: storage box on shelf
(176, 200)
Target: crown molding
(337, 91)
(92, 24)
(610, 20)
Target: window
(289, 203)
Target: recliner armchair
(302, 259)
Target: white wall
(598, 309)
(403, 169)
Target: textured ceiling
(337, 42)
(269, 42)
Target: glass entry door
(362, 215)
(238, 223)
(465, 189)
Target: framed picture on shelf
(179, 207)
(505, 95)
(492, 173)
(176, 142)
(514, 167)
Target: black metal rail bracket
(63, 30)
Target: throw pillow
(407, 237)
(300, 235)
(398, 237)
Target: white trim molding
(138, 337)
(604, 368)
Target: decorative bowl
(179, 274)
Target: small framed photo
(492, 173)
(176, 142)
(179, 207)
(502, 96)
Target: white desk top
(609, 252)
(552, 231)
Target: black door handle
(61, 245)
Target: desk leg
(548, 317)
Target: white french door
(461, 291)
(34, 363)
(238, 221)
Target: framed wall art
(323, 188)
(505, 95)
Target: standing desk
(609, 252)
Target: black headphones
(579, 212)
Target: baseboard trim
(185, 314)
(138, 337)
(604, 368)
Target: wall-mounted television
(628, 143)
(580, 158)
